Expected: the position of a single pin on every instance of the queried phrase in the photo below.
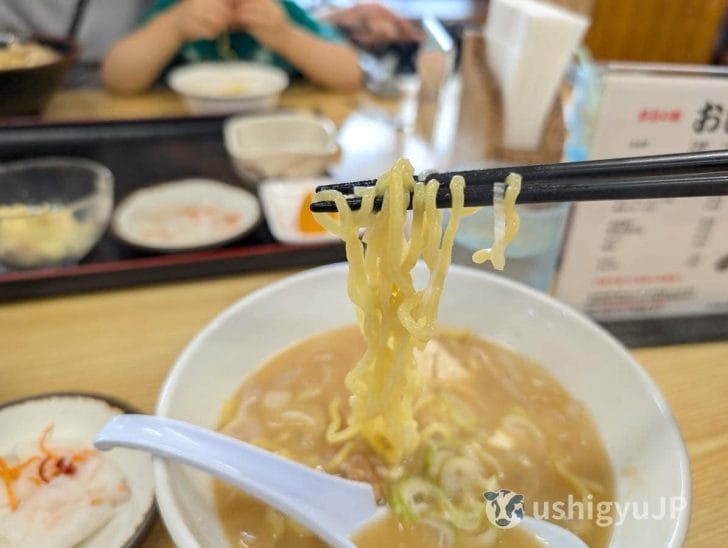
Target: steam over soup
(489, 419)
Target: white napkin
(529, 45)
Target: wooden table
(95, 104)
(123, 342)
(85, 104)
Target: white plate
(80, 416)
(644, 444)
(185, 215)
(282, 201)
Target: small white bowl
(80, 415)
(282, 201)
(185, 215)
(227, 87)
(280, 145)
(646, 450)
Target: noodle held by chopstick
(396, 317)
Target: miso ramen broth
(490, 419)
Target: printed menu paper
(652, 258)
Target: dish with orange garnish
(185, 215)
(286, 208)
(56, 490)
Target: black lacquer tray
(141, 153)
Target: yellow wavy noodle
(394, 316)
(512, 222)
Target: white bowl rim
(282, 116)
(102, 185)
(182, 535)
(278, 78)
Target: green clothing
(242, 44)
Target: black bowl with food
(31, 71)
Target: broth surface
(528, 436)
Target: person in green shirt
(269, 31)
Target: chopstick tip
(322, 207)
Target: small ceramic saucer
(185, 215)
(79, 415)
(283, 201)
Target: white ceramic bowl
(280, 145)
(635, 423)
(228, 87)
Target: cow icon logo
(503, 508)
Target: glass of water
(533, 254)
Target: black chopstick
(578, 190)
(665, 176)
(77, 18)
(666, 163)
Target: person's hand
(373, 24)
(202, 19)
(265, 20)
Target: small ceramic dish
(285, 206)
(185, 215)
(79, 416)
(280, 145)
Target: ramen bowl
(228, 87)
(27, 90)
(642, 440)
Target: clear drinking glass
(533, 254)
